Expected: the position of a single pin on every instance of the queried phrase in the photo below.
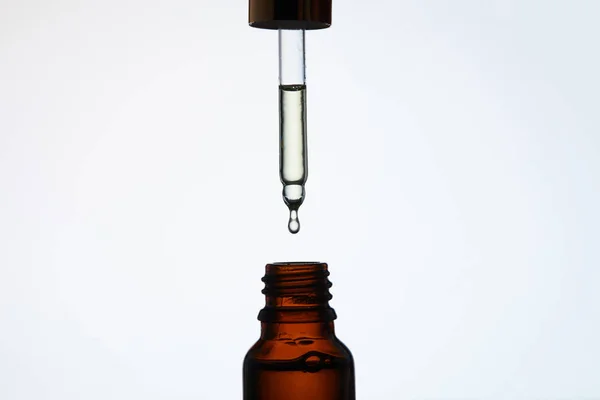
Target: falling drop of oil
(294, 223)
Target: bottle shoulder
(345, 349)
(289, 349)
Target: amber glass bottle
(298, 356)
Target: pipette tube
(293, 160)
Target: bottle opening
(284, 263)
(295, 271)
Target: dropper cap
(290, 14)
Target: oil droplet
(294, 223)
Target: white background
(453, 189)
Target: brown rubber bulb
(298, 356)
(290, 14)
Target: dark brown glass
(298, 356)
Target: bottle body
(298, 356)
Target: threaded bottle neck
(297, 292)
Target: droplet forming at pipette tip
(293, 197)
(294, 222)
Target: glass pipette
(293, 161)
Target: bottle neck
(297, 331)
(297, 293)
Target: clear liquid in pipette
(293, 161)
